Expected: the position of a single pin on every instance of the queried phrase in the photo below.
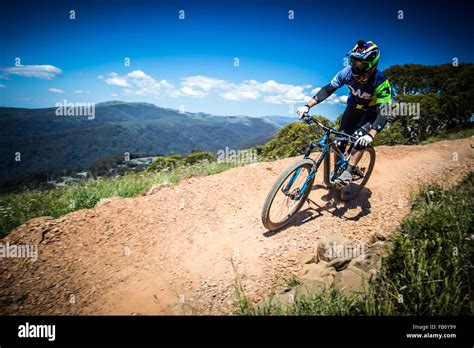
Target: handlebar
(311, 120)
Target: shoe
(344, 179)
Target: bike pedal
(340, 185)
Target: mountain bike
(294, 185)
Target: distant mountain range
(281, 120)
(44, 141)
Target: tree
(292, 139)
(445, 93)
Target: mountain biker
(364, 116)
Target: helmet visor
(359, 67)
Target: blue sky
(190, 62)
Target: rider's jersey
(364, 96)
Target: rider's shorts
(353, 119)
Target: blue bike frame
(326, 144)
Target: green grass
(329, 302)
(457, 134)
(430, 267)
(18, 208)
(292, 282)
(428, 271)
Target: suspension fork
(327, 161)
(327, 167)
(292, 180)
(286, 189)
(324, 144)
(311, 175)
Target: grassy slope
(18, 208)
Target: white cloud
(114, 80)
(140, 84)
(270, 91)
(80, 91)
(333, 99)
(241, 92)
(199, 86)
(138, 74)
(2, 86)
(190, 92)
(342, 99)
(278, 93)
(55, 90)
(46, 72)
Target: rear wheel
(360, 174)
(288, 195)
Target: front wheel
(288, 194)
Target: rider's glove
(364, 141)
(302, 111)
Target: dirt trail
(170, 252)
